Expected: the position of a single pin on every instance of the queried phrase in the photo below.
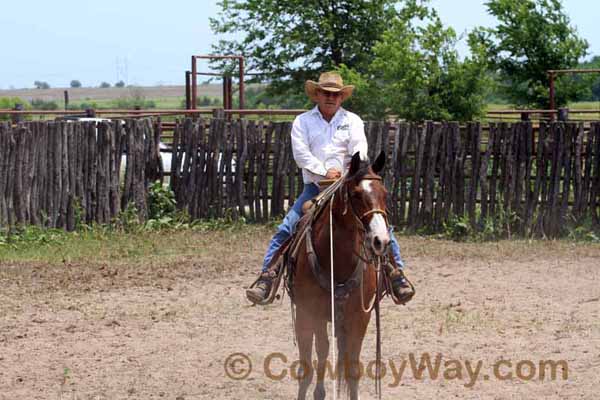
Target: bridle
(349, 205)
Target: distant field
(580, 105)
(160, 102)
(173, 97)
(163, 96)
(585, 105)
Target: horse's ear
(379, 162)
(354, 164)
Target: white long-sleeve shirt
(318, 145)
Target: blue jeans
(286, 229)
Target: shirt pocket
(342, 134)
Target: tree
(75, 83)
(258, 97)
(105, 85)
(41, 85)
(591, 81)
(9, 103)
(292, 41)
(416, 73)
(532, 36)
(40, 104)
(120, 84)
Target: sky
(150, 42)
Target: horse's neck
(346, 239)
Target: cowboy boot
(260, 290)
(402, 288)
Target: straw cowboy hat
(330, 82)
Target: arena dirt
(163, 328)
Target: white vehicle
(165, 150)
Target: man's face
(329, 102)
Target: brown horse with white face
(359, 227)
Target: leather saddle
(283, 261)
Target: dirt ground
(163, 327)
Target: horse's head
(365, 197)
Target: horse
(359, 228)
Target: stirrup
(275, 282)
(390, 289)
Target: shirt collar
(339, 113)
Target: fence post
(188, 95)
(218, 113)
(66, 93)
(563, 114)
(525, 117)
(16, 118)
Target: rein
(374, 303)
(342, 291)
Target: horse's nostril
(377, 243)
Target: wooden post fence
(527, 179)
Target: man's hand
(333, 173)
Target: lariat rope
(328, 195)
(332, 289)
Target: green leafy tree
(591, 82)
(259, 97)
(105, 85)
(8, 103)
(41, 85)
(292, 41)
(75, 83)
(417, 73)
(41, 104)
(532, 36)
(120, 84)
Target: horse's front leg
(322, 347)
(355, 328)
(304, 334)
(353, 368)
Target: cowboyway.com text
(277, 366)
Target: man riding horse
(323, 142)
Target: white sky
(150, 42)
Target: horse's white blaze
(377, 224)
(366, 185)
(379, 228)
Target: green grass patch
(112, 243)
(125, 238)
